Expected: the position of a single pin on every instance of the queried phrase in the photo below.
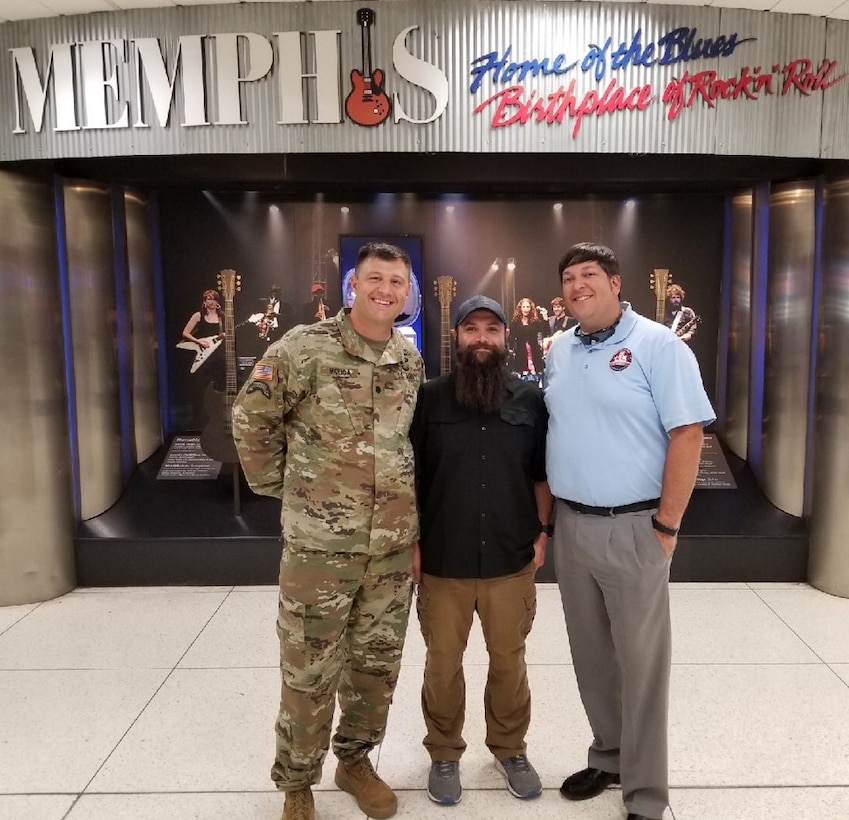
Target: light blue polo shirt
(610, 406)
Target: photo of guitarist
(204, 329)
(679, 318)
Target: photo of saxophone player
(316, 309)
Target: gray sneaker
(522, 779)
(443, 782)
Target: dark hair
(386, 252)
(589, 252)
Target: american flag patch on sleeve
(263, 371)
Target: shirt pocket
(337, 400)
(517, 416)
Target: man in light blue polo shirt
(626, 414)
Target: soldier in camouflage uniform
(322, 424)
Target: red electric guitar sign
(367, 104)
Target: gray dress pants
(613, 576)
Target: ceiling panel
(23, 10)
(818, 8)
(11, 10)
(76, 6)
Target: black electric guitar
(445, 288)
(216, 440)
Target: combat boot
(373, 796)
(299, 805)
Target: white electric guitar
(201, 353)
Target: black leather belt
(639, 506)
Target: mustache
(481, 346)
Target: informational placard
(185, 461)
(714, 472)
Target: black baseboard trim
(185, 533)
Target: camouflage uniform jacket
(322, 424)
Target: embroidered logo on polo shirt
(620, 359)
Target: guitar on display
(216, 439)
(367, 104)
(660, 280)
(202, 353)
(445, 288)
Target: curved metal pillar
(735, 423)
(36, 537)
(96, 410)
(787, 370)
(828, 566)
(145, 380)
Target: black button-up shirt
(475, 480)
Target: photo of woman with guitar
(203, 334)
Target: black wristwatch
(548, 529)
(662, 527)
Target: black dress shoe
(587, 783)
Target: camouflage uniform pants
(342, 619)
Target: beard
(481, 384)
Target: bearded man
(479, 436)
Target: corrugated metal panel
(835, 119)
(452, 35)
(780, 123)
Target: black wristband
(662, 527)
(548, 529)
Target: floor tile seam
(156, 691)
(23, 617)
(816, 663)
(421, 790)
(780, 618)
(756, 787)
(72, 806)
(484, 663)
(836, 674)
(166, 668)
(411, 665)
(200, 589)
(174, 792)
(124, 734)
(204, 627)
(275, 666)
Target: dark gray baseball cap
(479, 303)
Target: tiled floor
(143, 704)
